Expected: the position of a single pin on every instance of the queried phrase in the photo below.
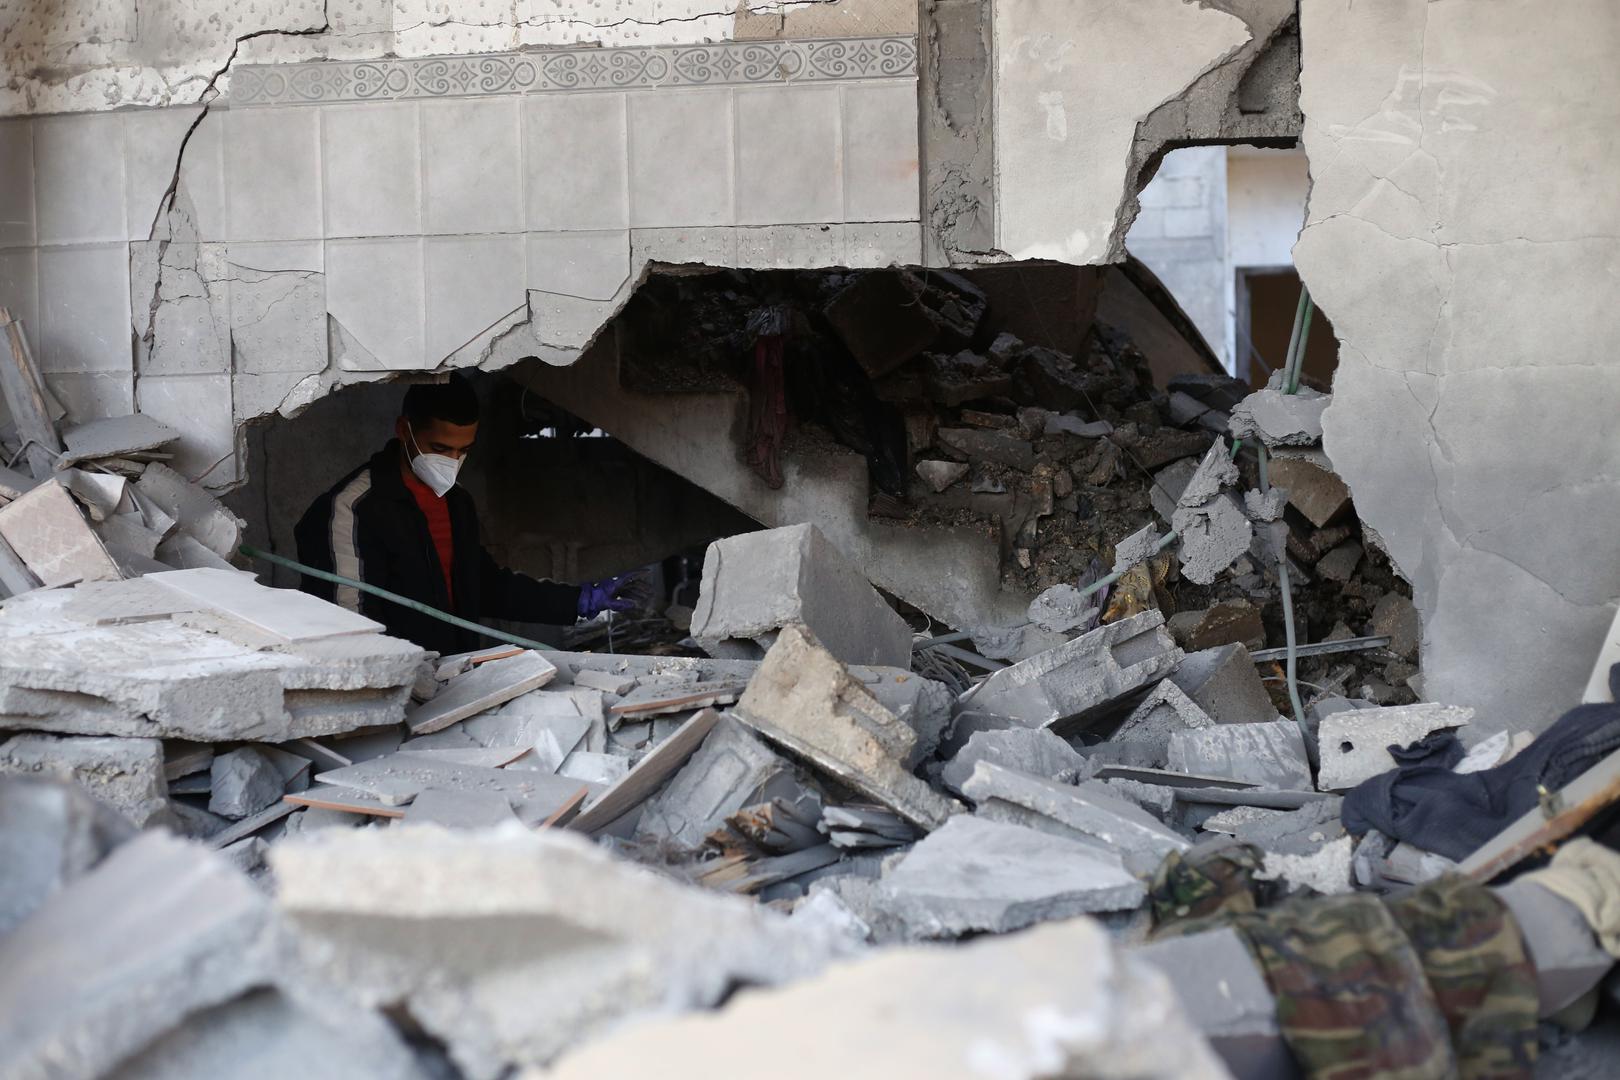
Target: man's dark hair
(453, 401)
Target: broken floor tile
(398, 779)
(649, 774)
(286, 614)
(731, 770)
(757, 583)
(55, 542)
(804, 700)
(1353, 745)
(1035, 751)
(973, 875)
(125, 774)
(1066, 685)
(1267, 755)
(486, 686)
(605, 681)
(452, 809)
(113, 436)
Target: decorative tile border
(728, 63)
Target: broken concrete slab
(1353, 745)
(1091, 810)
(993, 447)
(51, 834)
(160, 929)
(485, 687)
(1326, 870)
(15, 577)
(453, 809)
(243, 782)
(1066, 686)
(286, 614)
(1136, 548)
(1226, 997)
(113, 436)
(51, 536)
(126, 774)
(509, 946)
(1223, 683)
(805, 701)
(1035, 751)
(14, 485)
(1214, 535)
(1166, 710)
(1280, 419)
(649, 774)
(1168, 485)
(973, 875)
(936, 1013)
(399, 778)
(939, 475)
(1061, 609)
(757, 583)
(1294, 832)
(598, 768)
(1270, 755)
(605, 681)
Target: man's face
(437, 437)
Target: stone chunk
(1353, 745)
(939, 475)
(1279, 419)
(51, 834)
(1061, 609)
(1091, 811)
(1271, 755)
(994, 447)
(1035, 751)
(731, 770)
(757, 583)
(1073, 682)
(1168, 484)
(126, 774)
(160, 929)
(1213, 535)
(1396, 617)
(805, 701)
(1136, 548)
(1223, 682)
(1314, 489)
(1224, 623)
(1165, 711)
(508, 945)
(974, 875)
(243, 782)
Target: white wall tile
(471, 179)
(273, 174)
(84, 308)
(881, 153)
(770, 247)
(19, 289)
(269, 256)
(883, 243)
(199, 406)
(472, 282)
(708, 246)
(372, 159)
(789, 156)
(574, 153)
(374, 289)
(152, 139)
(86, 396)
(592, 265)
(79, 178)
(681, 158)
(16, 182)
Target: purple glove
(622, 592)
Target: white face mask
(435, 470)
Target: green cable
(393, 597)
(1296, 341)
(1287, 588)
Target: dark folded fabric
(1426, 804)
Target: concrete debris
(1136, 548)
(1224, 684)
(1235, 1009)
(976, 876)
(48, 532)
(125, 774)
(1270, 755)
(807, 702)
(1034, 751)
(1314, 489)
(486, 686)
(1353, 745)
(1061, 608)
(1281, 419)
(51, 834)
(1395, 617)
(116, 436)
(1326, 870)
(1165, 711)
(243, 782)
(1066, 686)
(757, 583)
(732, 769)
(887, 319)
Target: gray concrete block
(1214, 535)
(1136, 548)
(51, 834)
(757, 583)
(1035, 751)
(807, 702)
(1294, 832)
(731, 770)
(1165, 711)
(923, 705)
(1091, 809)
(1353, 745)
(1061, 609)
(451, 809)
(1279, 419)
(974, 875)
(1155, 799)
(1314, 489)
(243, 782)
(160, 929)
(1223, 683)
(125, 774)
(1269, 755)
(1064, 687)
(1168, 485)
(1226, 997)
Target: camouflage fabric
(1432, 985)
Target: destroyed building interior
(1094, 525)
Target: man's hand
(622, 592)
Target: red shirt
(437, 512)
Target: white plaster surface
(1073, 78)
(1464, 246)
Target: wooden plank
(25, 397)
(649, 774)
(1577, 803)
(568, 811)
(651, 701)
(342, 800)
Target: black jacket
(369, 527)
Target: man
(401, 523)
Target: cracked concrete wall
(1463, 236)
(87, 55)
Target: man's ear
(402, 430)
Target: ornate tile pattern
(729, 63)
